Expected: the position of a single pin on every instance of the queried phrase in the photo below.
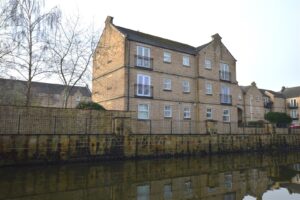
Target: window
(143, 192)
(225, 95)
(187, 113)
(167, 191)
(78, 99)
(208, 88)
(226, 115)
(167, 57)
(293, 103)
(167, 84)
(228, 180)
(168, 111)
(207, 64)
(186, 86)
(294, 114)
(224, 72)
(186, 60)
(143, 85)
(143, 57)
(257, 98)
(240, 97)
(208, 113)
(143, 111)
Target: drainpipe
(127, 63)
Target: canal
(224, 177)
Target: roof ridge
(157, 36)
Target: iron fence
(30, 124)
(107, 124)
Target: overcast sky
(263, 35)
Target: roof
(245, 88)
(159, 42)
(276, 94)
(291, 92)
(41, 87)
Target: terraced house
(292, 95)
(164, 79)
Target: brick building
(13, 92)
(164, 79)
(292, 102)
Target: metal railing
(268, 104)
(225, 99)
(145, 91)
(144, 62)
(293, 105)
(30, 124)
(225, 76)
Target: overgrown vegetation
(90, 106)
(278, 118)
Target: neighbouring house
(273, 101)
(13, 92)
(292, 96)
(164, 79)
(253, 103)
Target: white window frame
(293, 102)
(225, 71)
(143, 56)
(145, 110)
(226, 116)
(143, 85)
(186, 60)
(167, 84)
(207, 63)
(167, 57)
(167, 111)
(187, 112)
(186, 86)
(294, 113)
(208, 89)
(209, 113)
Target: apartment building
(292, 96)
(273, 101)
(164, 79)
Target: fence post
(171, 127)
(86, 122)
(150, 121)
(54, 131)
(19, 121)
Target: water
(230, 177)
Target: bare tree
(31, 26)
(6, 44)
(72, 50)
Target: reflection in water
(230, 177)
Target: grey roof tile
(291, 92)
(160, 42)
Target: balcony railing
(268, 104)
(225, 99)
(295, 117)
(293, 105)
(144, 91)
(144, 62)
(225, 76)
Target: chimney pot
(216, 37)
(109, 20)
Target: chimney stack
(282, 89)
(109, 20)
(216, 37)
